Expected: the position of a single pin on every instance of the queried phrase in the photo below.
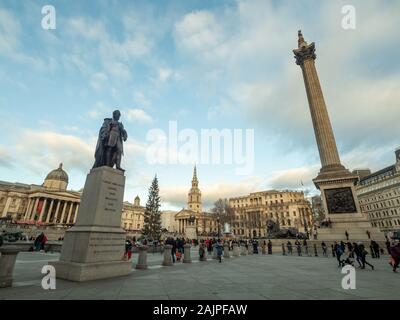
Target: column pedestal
(94, 247)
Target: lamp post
(218, 227)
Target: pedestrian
(128, 250)
(264, 247)
(350, 249)
(368, 234)
(333, 250)
(298, 247)
(220, 249)
(255, 246)
(324, 249)
(388, 245)
(339, 251)
(376, 249)
(202, 251)
(347, 235)
(269, 247)
(364, 256)
(289, 247)
(305, 245)
(357, 252)
(395, 256)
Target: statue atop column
(109, 148)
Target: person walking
(255, 246)
(395, 255)
(298, 247)
(347, 235)
(350, 249)
(364, 253)
(269, 247)
(289, 247)
(324, 249)
(339, 251)
(376, 249)
(264, 247)
(220, 249)
(357, 252)
(305, 245)
(202, 251)
(128, 250)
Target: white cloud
(138, 115)
(98, 80)
(198, 32)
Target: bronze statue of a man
(109, 149)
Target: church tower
(194, 196)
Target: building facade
(251, 212)
(379, 197)
(47, 204)
(205, 223)
(132, 218)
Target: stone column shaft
(42, 210)
(49, 211)
(319, 114)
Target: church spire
(195, 182)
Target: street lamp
(218, 227)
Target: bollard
(243, 251)
(250, 249)
(226, 251)
(315, 250)
(142, 259)
(186, 254)
(7, 263)
(204, 257)
(236, 252)
(167, 255)
(214, 254)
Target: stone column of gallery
(334, 180)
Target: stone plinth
(186, 254)
(94, 247)
(167, 255)
(226, 251)
(243, 251)
(250, 249)
(190, 232)
(7, 263)
(142, 259)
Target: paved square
(245, 277)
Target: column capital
(305, 52)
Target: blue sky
(204, 64)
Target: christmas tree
(152, 214)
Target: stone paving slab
(240, 278)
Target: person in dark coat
(289, 247)
(363, 257)
(395, 254)
(220, 249)
(269, 247)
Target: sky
(225, 65)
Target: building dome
(56, 179)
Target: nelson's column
(334, 181)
